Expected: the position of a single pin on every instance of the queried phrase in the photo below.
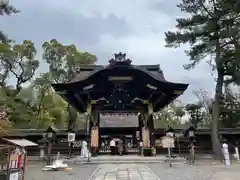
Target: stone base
(94, 151)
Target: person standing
(112, 146)
(226, 154)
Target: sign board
(167, 142)
(77, 144)
(71, 137)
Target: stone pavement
(124, 172)
(226, 176)
(137, 171)
(78, 172)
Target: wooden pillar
(151, 125)
(140, 123)
(148, 127)
(95, 132)
(145, 130)
(151, 131)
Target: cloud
(105, 27)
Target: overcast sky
(104, 27)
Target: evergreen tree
(211, 30)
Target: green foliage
(37, 105)
(196, 113)
(230, 111)
(64, 60)
(18, 60)
(169, 116)
(6, 10)
(211, 29)
(209, 23)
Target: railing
(64, 148)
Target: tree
(167, 117)
(5, 124)
(64, 62)
(18, 112)
(19, 60)
(6, 10)
(195, 112)
(212, 30)
(230, 114)
(206, 104)
(179, 111)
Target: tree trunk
(216, 146)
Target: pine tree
(211, 30)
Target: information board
(167, 142)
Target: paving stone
(125, 172)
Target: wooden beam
(79, 99)
(159, 99)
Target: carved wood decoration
(120, 59)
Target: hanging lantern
(191, 132)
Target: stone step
(123, 159)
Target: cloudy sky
(104, 27)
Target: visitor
(112, 146)
(191, 156)
(225, 151)
(84, 151)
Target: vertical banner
(94, 136)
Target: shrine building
(122, 92)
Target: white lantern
(191, 133)
(178, 135)
(4, 2)
(50, 135)
(170, 134)
(71, 137)
(137, 134)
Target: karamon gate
(120, 88)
